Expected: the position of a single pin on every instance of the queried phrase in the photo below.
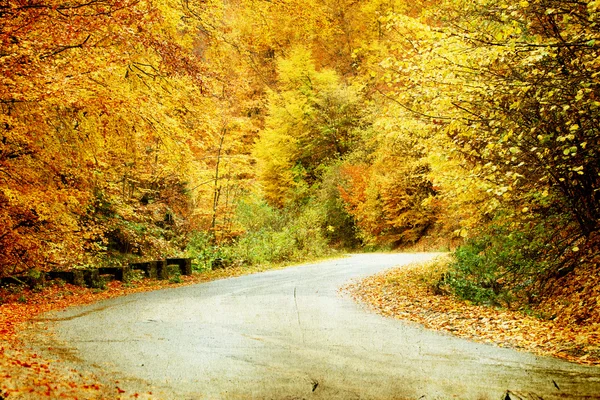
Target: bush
(201, 247)
(291, 238)
(502, 266)
(271, 236)
(176, 278)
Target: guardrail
(94, 277)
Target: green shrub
(254, 215)
(99, 284)
(200, 248)
(176, 278)
(271, 236)
(502, 266)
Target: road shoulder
(408, 293)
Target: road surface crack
(298, 316)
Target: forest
(257, 131)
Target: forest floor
(408, 293)
(403, 293)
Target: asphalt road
(289, 334)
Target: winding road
(289, 334)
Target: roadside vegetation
(414, 293)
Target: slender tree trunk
(216, 186)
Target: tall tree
(314, 120)
(84, 122)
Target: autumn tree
(511, 86)
(295, 64)
(389, 182)
(392, 197)
(529, 120)
(314, 119)
(80, 137)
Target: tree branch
(64, 48)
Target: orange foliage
(77, 142)
(394, 206)
(354, 189)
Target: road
(289, 334)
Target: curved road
(289, 334)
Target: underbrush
(522, 264)
(542, 267)
(498, 268)
(271, 236)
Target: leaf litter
(409, 293)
